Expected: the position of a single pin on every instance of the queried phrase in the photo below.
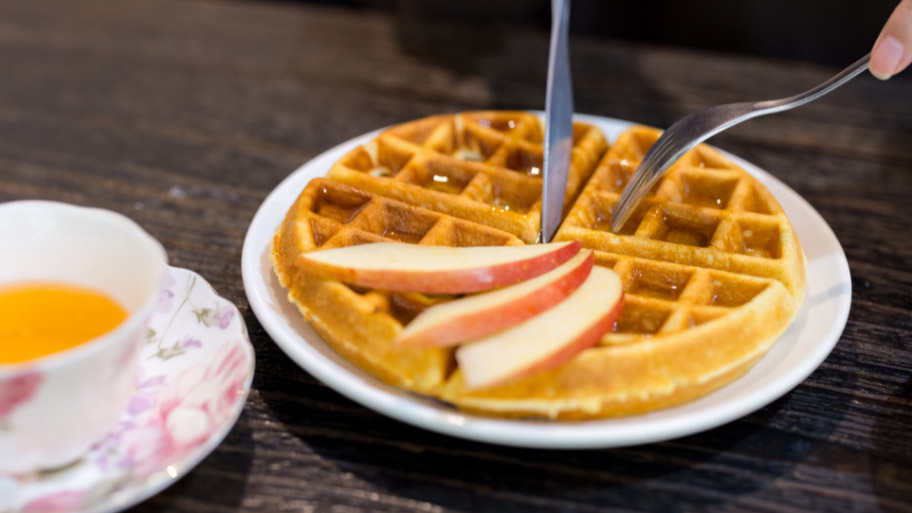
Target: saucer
(195, 371)
(800, 350)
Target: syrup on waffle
(713, 272)
(481, 166)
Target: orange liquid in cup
(39, 319)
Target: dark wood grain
(184, 115)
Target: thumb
(892, 52)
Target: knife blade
(558, 122)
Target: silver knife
(558, 122)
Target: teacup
(54, 407)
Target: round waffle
(713, 272)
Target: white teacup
(53, 408)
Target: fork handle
(773, 106)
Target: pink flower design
(165, 296)
(106, 448)
(200, 399)
(67, 500)
(191, 342)
(224, 316)
(163, 303)
(17, 390)
(144, 397)
(143, 400)
(220, 316)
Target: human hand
(892, 52)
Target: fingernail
(885, 57)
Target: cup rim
(133, 320)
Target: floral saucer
(195, 372)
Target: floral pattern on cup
(16, 391)
(195, 372)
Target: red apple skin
(461, 281)
(478, 324)
(586, 340)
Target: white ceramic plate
(801, 349)
(194, 375)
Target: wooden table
(184, 115)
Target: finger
(892, 52)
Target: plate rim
(591, 434)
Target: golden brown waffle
(713, 274)
(480, 166)
(712, 269)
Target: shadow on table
(208, 483)
(890, 452)
(742, 458)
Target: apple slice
(436, 269)
(547, 340)
(474, 317)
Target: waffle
(713, 272)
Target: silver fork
(697, 127)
